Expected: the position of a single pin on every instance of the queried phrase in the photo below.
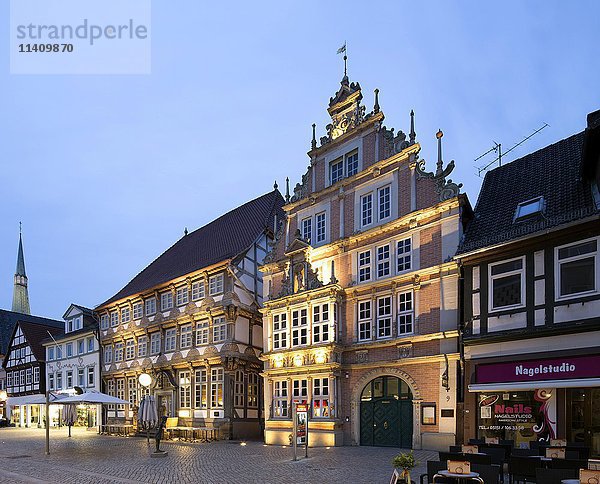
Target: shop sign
(568, 367)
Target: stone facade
(361, 293)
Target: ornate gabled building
(360, 308)
(191, 319)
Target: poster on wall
(518, 416)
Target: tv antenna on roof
(497, 148)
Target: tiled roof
(221, 239)
(552, 172)
(8, 320)
(36, 333)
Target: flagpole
(345, 58)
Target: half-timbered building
(531, 261)
(360, 316)
(190, 319)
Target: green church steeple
(20, 295)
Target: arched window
(386, 387)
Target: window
(170, 339)
(366, 209)
(253, 390)
(280, 331)
(78, 323)
(130, 349)
(321, 397)
(36, 374)
(90, 376)
(507, 283)
(114, 319)
(50, 353)
(185, 336)
(185, 389)
(280, 399)
(403, 255)
(69, 326)
(28, 376)
(215, 284)
(80, 347)
(58, 352)
(337, 170)
(125, 315)
(384, 317)
(364, 320)
(197, 290)
(155, 343)
(299, 391)
(320, 323)
(182, 295)
(108, 354)
(238, 389)
(405, 313)
(219, 329)
(90, 345)
(121, 391)
(364, 266)
(69, 350)
(50, 381)
(577, 268)
(200, 389)
(216, 387)
(104, 321)
(385, 204)
(321, 227)
(383, 261)
(70, 379)
(81, 377)
(307, 228)
(352, 164)
(299, 327)
(118, 352)
(529, 208)
(142, 344)
(150, 306)
(111, 391)
(138, 310)
(132, 391)
(202, 333)
(166, 301)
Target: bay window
(299, 327)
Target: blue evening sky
(106, 171)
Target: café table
(472, 476)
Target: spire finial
(275, 186)
(313, 143)
(20, 228)
(412, 134)
(376, 106)
(185, 231)
(287, 189)
(343, 49)
(439, 135)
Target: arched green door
(386, 414)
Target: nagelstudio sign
(535, 370)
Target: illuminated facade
(190, 319)
(361, 293)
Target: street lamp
(145, 379)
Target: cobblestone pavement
(90, 458)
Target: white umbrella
(148, 414)
(69, 416)
(94, 397)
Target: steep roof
(221, 239)
(8, 320)
(553, 172)
(36, 333)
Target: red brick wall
(404, 190)
(368, 150)
(427, 195)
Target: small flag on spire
(342, 49)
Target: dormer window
(529, 208)
(344, 167)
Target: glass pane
(392, 387)
(513, 265)
(367, 393)
(506, 291)
(577, 276)
(378, 388)
(578, 249)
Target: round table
(473, 476)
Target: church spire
(20, 295)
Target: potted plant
(405, 462)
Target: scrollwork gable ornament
(446, 189)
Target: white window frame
(108, 354)
(81, 377)
(253, 390)
(185, 389)
(198, 290)
(366, 209)
(138, 310)
(185, 336)
(200, 388)
(306, 228)
(142, 346)
(537, 203)
(321, 318)
(36, 375)
(365, 320)
(130, 349)
(364, 267)
(114, 319)
(182, 296)
(125, 315)
(166, 301)
(491, 279)
(351, 157)
(150, 306)
(320, 227)
(170, 339)
(118, 350)
(202, 332)
(216, 284)
(558, 262)
(91, 376)
(239, 394)
(219, 329)
(336, 162)
(321, 394)
(280, 331)
(216, 387)
(280, 399)
(406, 312)
(299, 327)
(381, 202)
(404, 256)
(155, 342)
(384, 316)
(383, 261)
(300, 390)
(104, 321)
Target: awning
(36, 399)
(94, 397)
(532, 385)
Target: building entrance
(386, 413)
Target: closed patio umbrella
(148, 414)
(69, 415)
